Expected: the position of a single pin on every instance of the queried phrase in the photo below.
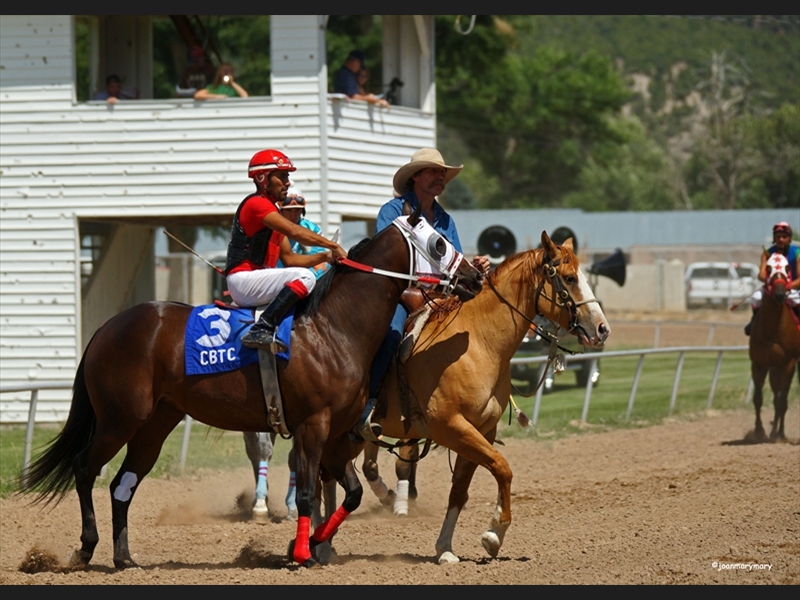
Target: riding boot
(262, 333)
(749, 326)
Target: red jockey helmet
(782, 227)
(269, 160)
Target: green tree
(533, 121)
(634, 175)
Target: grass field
(209, 449)
(559, 414)
(560, 411)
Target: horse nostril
(603, 330)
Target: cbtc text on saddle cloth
(212, 342)
(213, 339)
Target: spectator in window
(346, 80)
(113, 91)
(222, 87)
(198, 74)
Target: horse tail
(51, 473)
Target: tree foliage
(597, 112)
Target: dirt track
(660, 505)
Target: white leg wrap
(379, 488)
(401, 500)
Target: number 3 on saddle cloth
(213, 338)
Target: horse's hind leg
(86, 467)
(259, 446)
(143, 451)
(291, 492)
(371, 472)
(405, 468)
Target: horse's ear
(413, 218)
(568, 244)
(548, 245)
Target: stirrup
(365, 428)
(261, 339)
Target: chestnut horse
(460, 380)
(774, 346)
(131, 387)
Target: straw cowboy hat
(422, 159)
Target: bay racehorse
(458, 375)
(774, 346)
(131, 387)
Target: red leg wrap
(329, 527)
(301, 551)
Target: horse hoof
(126, 563)
(388, 499)
(79, 559)
(491, 543)
(448, 558)
(400, 512)
(310, 563)
(323, 553)
(260, 507)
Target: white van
(720, 282)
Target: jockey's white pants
(258, 288)
(755, 300)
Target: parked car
(719, 282)
(535, 345)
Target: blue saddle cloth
(213, 339)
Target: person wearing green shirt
(223, 86)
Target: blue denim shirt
(442, 222)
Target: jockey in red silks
(260, 236)
(782, 244)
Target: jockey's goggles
(293, 202)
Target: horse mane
(308, 306)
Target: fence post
(589, 386)
(714, 380)
(187, 430)
(635, 385)
(677, 381)
(29, 434)
(539, 391)
(711, 329)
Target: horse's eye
(570, 279)
(436, 246)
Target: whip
(208, 262)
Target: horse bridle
(563, 300)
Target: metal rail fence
(681, 351)
(595, 356)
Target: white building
(110, 175)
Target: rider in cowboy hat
(782, 243)
(259, 237)
(418, 182)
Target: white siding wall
(61, 162)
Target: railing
(63, 385)
(595, 356)
(592, 356)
